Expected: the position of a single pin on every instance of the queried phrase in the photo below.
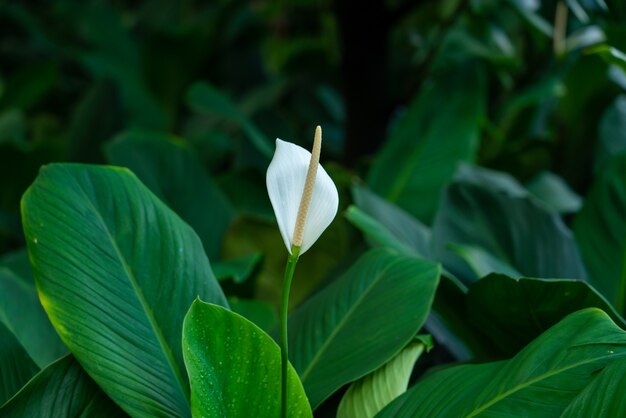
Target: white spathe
(285, 181)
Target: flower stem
(284, 356)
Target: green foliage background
(488, 136)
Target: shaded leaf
(512, 312)
(554, 192)
(600, 229)
(22, 313)
(513, 228)
(16, 367)
(205, 98)
(62, 390)
(439, 129)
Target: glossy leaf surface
(234, 367)
(360, 321)
(116, 271)
(541, 381)
(168, 166)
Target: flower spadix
(304, 207)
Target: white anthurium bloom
(286, 177)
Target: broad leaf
(16, 367)
(360, 321)
(439, 129)
(601, 232)
(116, 271)
(238, 269)
(604, 397)
(372, 393)
(540, 381)
(512, 227)
(172, 172)
(401, 226)
(22, 313)
(513, 312)
(61, 390)
(234, 367)
(554, 192)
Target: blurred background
(191, 95)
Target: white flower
(286, 177)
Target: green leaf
(116, 271)
(90, 126)
(22, 313)
(387, 293)
(169, 168)
(239, 269)
(512, 312)
(62, 390)
(388, 224)
(612, 133)
(439, 129)
(481, 262)
(540, 381)
(234, 367)
(204, 98)
(600, 229)
(372, 393)
(16, 367)
(604, 397)
(375, 232)
(510, 226)
(554, 192)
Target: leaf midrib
(139, 293)
(530, 382)
(343, 320)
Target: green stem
(284, 305)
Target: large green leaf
(360, 321)
(22, 313)
(540, 381)
(512, 312)
(439, 129)
(396, 226)
(171, 171)
(365, 397)
(604, 397)
(234, 367)
(116, 271)
(601, 232)
(61, 390)
(510, 226)
(16, 367)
